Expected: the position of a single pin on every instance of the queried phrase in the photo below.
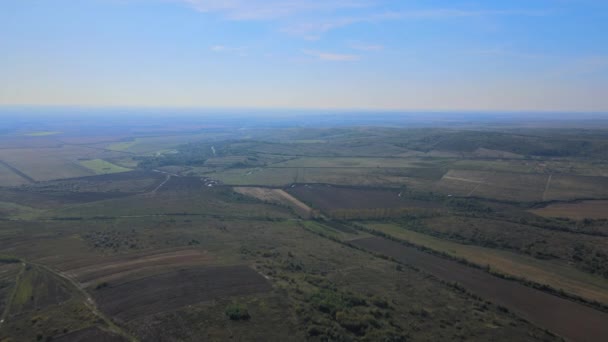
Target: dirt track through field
(276, 195)
(573, 321)
(18, 172)
(547, 187)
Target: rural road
(568, 319)
(89, 302)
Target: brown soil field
(568, 319)
(121, 268)
(53, 194)
(566, 187)
(278, 196)
(576, 211)
(183, 184)
(56, 198)
(42, 164)
(172, 290)
(126, 182)
(498, 185)
(121, 176)
(92, 334)
(330, 198)
(487, 153)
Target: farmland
(100, 166)
(226, 231)
(576, 211)
(558, 275)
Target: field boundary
(523, 281)
(18, 172)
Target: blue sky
(348, 54)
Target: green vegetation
(155, 250)
(237, 312)
(102, 167)
(556, 274)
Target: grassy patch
(24, 290)
(101, 167)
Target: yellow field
(556, 274)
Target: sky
(444, 55)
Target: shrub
(237, 312)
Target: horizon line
(301, 109)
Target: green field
(102, 167)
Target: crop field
(577, 211)
(566, 187)
(121, 146)
(153, 144)
(96, 271)
(48, 305)
(101, 167)
(351, 162)
(277, 196)
(504, 186)
(123, 182)
(187, 232)
(571, 321)
(9, 177)
(130, 300)
(559, 275)
(329, 198)
(374, 177)
(578, 167)
(586, 252)
(47, 164)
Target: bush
(237, 312)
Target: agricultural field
(577, 211)
(278, 196)
(11, 177)
(191, 230)
(556, 274)
(102, 167)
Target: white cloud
(367, 47)
(272, 9)
(295, 15)
(332, 57)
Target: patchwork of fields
(349, 234)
